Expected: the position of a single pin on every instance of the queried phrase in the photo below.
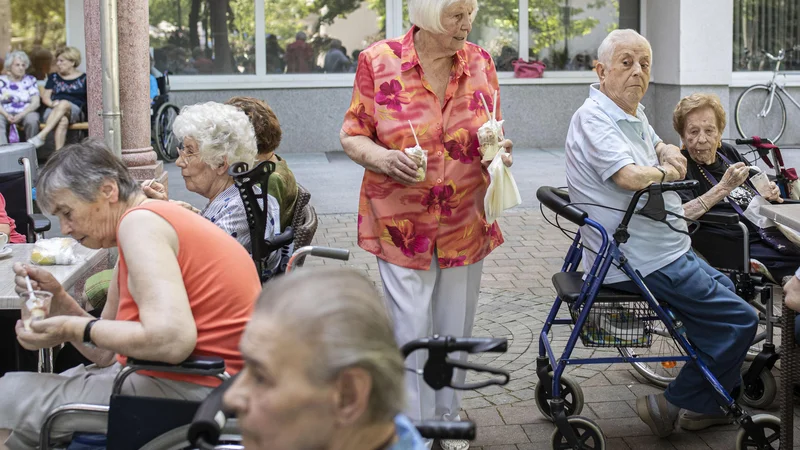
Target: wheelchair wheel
(763, 391)
(570, 391)
(176, 439)
(658, 373)
(165, 142)
(590, 436)
(767, 427)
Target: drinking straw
(485, 106)
(414, 133)
(494, 105)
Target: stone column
(134, 89)
(94, 67)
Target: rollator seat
(568, 286)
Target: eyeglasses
(183, 153)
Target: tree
(5, 27)
(40, 23)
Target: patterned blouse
(15, 96)
(403, 224)
(227, 212)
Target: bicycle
(757, 112)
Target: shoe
(454, 444)
(692, 421)
(36, 141)
(657, 413)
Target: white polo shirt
(602, 139)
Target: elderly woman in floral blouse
(19, 97)
(430, 236)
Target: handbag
(13, 134)
(528, 69)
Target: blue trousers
(719, 324)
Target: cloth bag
(13, 134)
(502, 192)
(528, 69)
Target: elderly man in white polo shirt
(612, 151)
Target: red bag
(528, 69)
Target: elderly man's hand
(672, 155)
(791, 293)
(50, 332)
(154, 190)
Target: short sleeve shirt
(403, 224)
(73, 91)
(14, 237)
(602, 139)
(15, 96)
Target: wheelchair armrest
(40, 223)
(282, 240)
(212, 364)
(720, 218)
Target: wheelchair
(605, 317)
(162, 116)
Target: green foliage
(39, 23)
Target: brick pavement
(516, 296)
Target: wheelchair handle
(557, 200)
(449, 344)
(209, 419)
(440, 429)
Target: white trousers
(426, 302)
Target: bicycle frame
(773, 83)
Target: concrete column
(134, 89)
(691, 53)
(94, 66)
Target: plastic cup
(420, 157)
(36, 308)
(761, 183)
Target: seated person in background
(215, 136)
(7, 225)
(282, 184)
(722, 173)
(165, 302)
(322, 369)
(64, 96)
(19, 97)
(612, 151)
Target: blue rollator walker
(605, 317)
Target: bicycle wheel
(663, 345)
(749, 120)
(166, 143)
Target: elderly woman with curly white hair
(216, 136)
(19, 97)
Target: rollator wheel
(763, 393)
(590, 436)
(571, 393)
(767, 426)
(660, 373)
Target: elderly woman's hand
(775, 193)
(154, 190)
(41, 280)
(508, 160)
(734, 176)
(399, 167)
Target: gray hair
(300, 35)
(18, 54)
(81, 169)
(223, 133)
(427, 14)
(605, 53)
(340, 315)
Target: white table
(66, 275)
(786, 215)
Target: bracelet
(703, 203)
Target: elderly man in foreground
(611, 152)
(322, 368)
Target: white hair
(427, 14)
(339, 315)
(605, 53)
(223, 133)
(18, 54)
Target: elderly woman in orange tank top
(427, 227)
(182, 286)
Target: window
(38, 31)
(203, 37)
(761, 26)
(565, 34)
(320, 36)
(496, 29)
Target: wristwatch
(87, 334)
(662, 170)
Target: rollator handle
(448, 344)
(440, 429)
(478, 368)
(684, 185)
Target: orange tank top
(221, 283)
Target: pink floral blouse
(404, 224)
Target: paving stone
(594, 394)
(610, 410)
(501, 399)
(517, 415)
(623, 427)
(539, 432)
(687, 441)
(648, 443)
(485, 416)
(500, 435)
(722, 440)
